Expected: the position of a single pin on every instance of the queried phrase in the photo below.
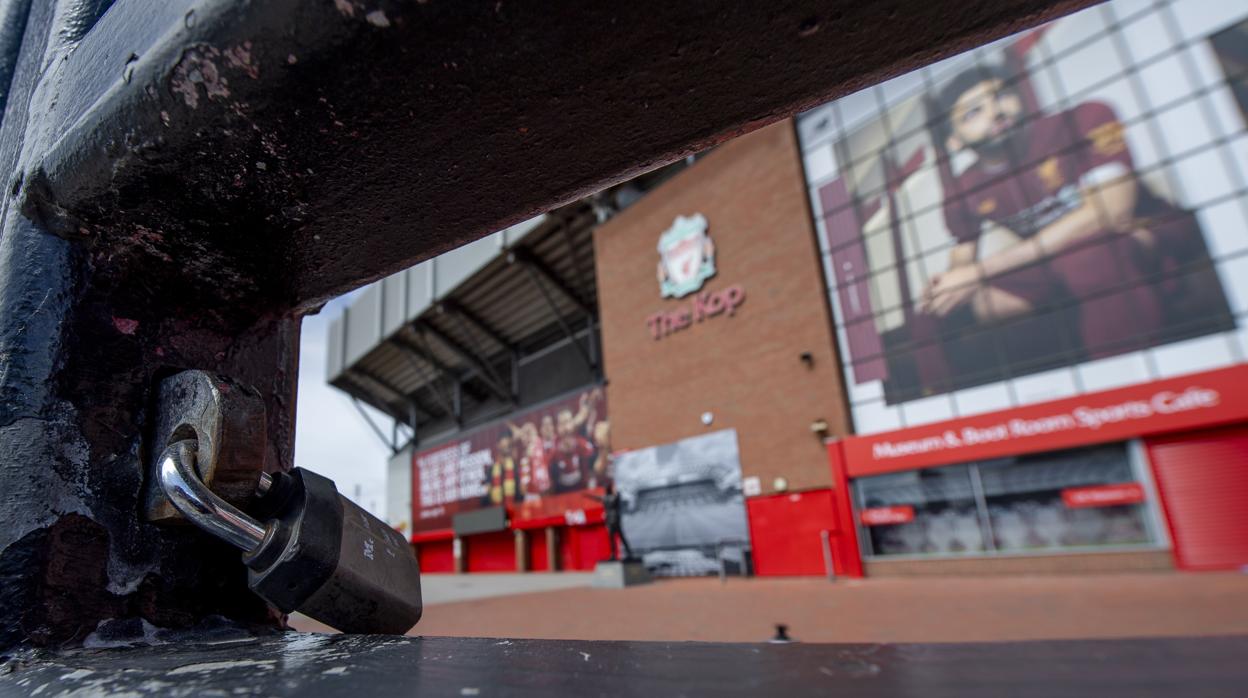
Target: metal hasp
(185, 179)
(223, 421)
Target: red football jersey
(1051, 160)
(569, 466)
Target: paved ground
(447, 588)
(893, 610)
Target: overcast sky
(331, 438)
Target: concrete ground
(949, 609)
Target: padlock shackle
(200, 506)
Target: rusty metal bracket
(226, 420)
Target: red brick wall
(745, 369)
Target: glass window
(1067, 499)
(984, 152)
(920, 512)
(1064, 500)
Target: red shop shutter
(1203, 481)
(535, 541)
(491, 552)
(785, 532)
(436, 556)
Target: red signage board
(1103, 495)
(1196, 400)
(537, 463)
(884, 516)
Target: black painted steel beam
(495, 335)
(536, 277)
(534, 265)
(381, 436)
(482, 356)
(483, 370)
(390, 407)
(415, 355)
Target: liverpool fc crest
(686, 256)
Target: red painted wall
(1196, 401)
(581, 547)
(846, 554)
(491, 552)
(435, 556)
(1202, 478)
(785, 531)
(536, 544)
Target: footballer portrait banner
(537, 462)
(1031, 207)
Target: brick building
(985, 317)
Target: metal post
(457, 399)
(825, 539)
(515, 375)
(522, 550)
(552, 549)
(359, 407)
(536, 280)
(591, 338)
(415, 422)
(457, 553)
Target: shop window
(1081, 499)
(921, 512)
(1070, 499)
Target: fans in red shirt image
(573, 455)
(503, 475)
(549, 440)
(534, 463)
(534, 460)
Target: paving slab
(947, 609)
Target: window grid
(912, 260)
(1078, 471)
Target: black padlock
(316, 552)
(331, 560)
